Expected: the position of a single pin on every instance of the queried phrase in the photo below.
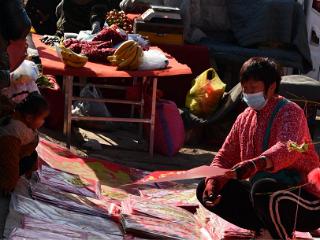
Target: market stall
(54, 66)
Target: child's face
(35, 122)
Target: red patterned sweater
(245, 140)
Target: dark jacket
(14, 24)
(76, 15)
(43, 15)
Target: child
(19, 139)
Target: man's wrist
(261, 163)
(208, 179)
(269, 163)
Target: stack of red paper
(159, 221)
(69, 182)
(73, 202)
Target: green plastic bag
(205, 94)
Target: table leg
(64, 88)
(68, 92)
(153, 114)
(134, 83)
(144, 81)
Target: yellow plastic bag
(205, 94)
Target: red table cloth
(53, 65)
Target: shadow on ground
(125, 147)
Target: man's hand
(212, 189)
(248, 168)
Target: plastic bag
(176, 197)
(23, 82)
(86, 35)
(73, 202)
(139, 206)
(27, 71)
(94, 109)
(139, 39)
(68, 182)
(151, 219)
(40, 227)
(153, 59)
(22, 204)
(154, 228)
(91, 224)
(205, 94)
(20, 233)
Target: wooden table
(52, 64)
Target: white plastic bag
(26, 71)
(86, 35)
(94, 109)
(139, 39)
(23, 81)
(152, 60)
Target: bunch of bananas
(72, 59)
(127, 56)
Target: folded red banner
(198, 172)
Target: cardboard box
(160, 33)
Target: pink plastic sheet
(155, 220)
(139, 206)
(40, 225)
(132, 237)
(179, 195)
(32, 228)
(23, 234)
(158, 228)
(108, 173)
(198, 172)
(218, 228)
(103, 227)
(73, 202)
(69, 182)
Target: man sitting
(257, 148)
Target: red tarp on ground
(109, 173)
(111, 176)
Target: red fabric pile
(96, 51)
(112, 34)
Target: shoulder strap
(276, 109)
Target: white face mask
(255, 100)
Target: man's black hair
(34, 105)
(261, 69)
